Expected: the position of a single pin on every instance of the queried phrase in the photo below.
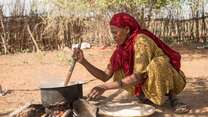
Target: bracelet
(120, 83)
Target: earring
(128, 31)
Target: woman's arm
(102, 75)
(99, 90)
(129, 80)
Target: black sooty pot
(59, 95)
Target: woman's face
(119, 34)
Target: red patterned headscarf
(123, 56)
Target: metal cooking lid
(117, 109)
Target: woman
(141, 63)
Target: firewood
(66, 113)
(85, 109)
(19, 110)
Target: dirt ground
(23, 74)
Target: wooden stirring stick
(71, 67)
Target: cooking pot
(56, 93)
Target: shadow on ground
(195, 95)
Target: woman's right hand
(97, 91)
(78, 55)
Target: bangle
(120, 83)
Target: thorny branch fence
(30, 33)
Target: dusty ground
(26, 71)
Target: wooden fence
(32, 33)
(185, 31)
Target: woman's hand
(78, 55)
(96, 92)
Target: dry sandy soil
(27, 71)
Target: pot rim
(58, 87)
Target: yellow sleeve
(144, 50)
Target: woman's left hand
(96, 91)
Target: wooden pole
(33, 39)
(3, 38)
(4, 44)
(71, 68)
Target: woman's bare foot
(178, 107)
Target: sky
(8, 6)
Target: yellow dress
(161, 76)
